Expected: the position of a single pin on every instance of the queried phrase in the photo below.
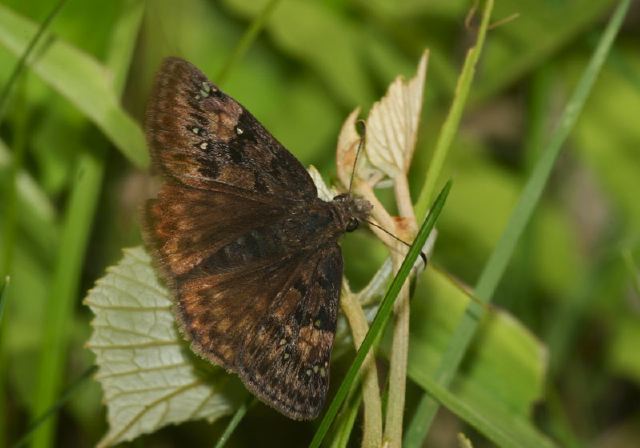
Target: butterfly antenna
(360, 146)
(371, 223)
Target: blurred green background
(73, 176)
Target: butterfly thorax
(308, 226)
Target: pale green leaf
(149, 376)
(392, 125)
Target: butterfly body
(247, 248)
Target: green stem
(400, 345)
(346, 421)
(398, 371)
(372, 428)
(64, 398)
(235, 421)
(64, 290)
(22, 62)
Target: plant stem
(400, 344)
(372, 428)
(450, 126)
(398, 370)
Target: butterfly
(244, 244)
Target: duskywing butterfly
(242, 240)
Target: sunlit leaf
(392, 126)
(149, 376)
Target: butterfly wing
(285, 359)
(216, 253)
(245, 299)
(205, 139)
(255, 276)
(185, 226)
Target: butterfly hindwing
(216, 312)
(204, 138)
(299, 327)
(236, 269)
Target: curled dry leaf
(348, 141)
(392, 126)
(149, 377)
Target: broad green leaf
(552, 229)
(149, 376)
(503, 376)
(80, 79)
(507, 363)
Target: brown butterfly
(242, 240)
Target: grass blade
(517, 434)
(82, 80)
(235, 421)
(450, 127)
(497, 263)
(4, 287)
(74, 239)
(10, 199)
(64, 398)
(382, 316)
(22, 62)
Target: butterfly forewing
(241, 239)
(205, 139)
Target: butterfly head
(351, 211)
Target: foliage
(554, 360)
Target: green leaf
(503, 377)
(82, 80)
(500, 425)
(149, 376)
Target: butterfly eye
(352, 225)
